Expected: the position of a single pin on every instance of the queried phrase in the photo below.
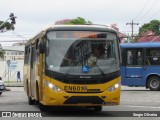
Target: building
(149, 36)
(13, 53)
(15, 56)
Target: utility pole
(8, 63)
(132, 23)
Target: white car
(2, 87)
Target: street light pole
(8, 63)
(12, 18)
(132, 23)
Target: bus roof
(91, 27)
(88, 27)
(141, 45)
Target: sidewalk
(20, 84)
(13, 84)
(126, 88)
(21, 89)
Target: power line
(154, 14)
(19, 35)
(148, 11)
(13, 41)
(16, 35)
(141, 10)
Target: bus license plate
(75, 88)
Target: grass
(13, 82)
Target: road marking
(141, 106)
(141, 100)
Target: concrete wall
(13, 70)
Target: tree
(7, 26)
(1, 52)
(76, 21)
(154, 26)
(62, 22)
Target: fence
(9, 74)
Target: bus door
(134, 67)
(32, 71)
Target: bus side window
(37, 50)
(139, 58)
(152, 56)
(129, 57)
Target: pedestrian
(18, 76)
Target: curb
(14, 85)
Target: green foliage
(153, 26)
(2, 52)
(78, 21)
(6, 26)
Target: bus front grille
(84, 99)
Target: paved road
(132, 99)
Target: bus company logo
(85, 69)
(6, 114)
(84, 87)
(21, 114)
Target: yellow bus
(73, 65)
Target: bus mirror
(41, 48)
(119, 40)
(38, 52)
(47, 51)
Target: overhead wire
(141, 16)
(9, 39)
(148, 10)
(15, 34)
(155, 13)
(142, 10)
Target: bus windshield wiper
(100, 70)
(69, 69)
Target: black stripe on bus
(75, 79)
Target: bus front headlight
(114, 87)
(53, 87)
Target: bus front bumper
(51, 98)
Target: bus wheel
(0, 93)
(154, 83)
(97, 108)
(30, 101)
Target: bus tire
(30, 101)
(37, 91)
(97, 108)
(154, 83)
(0, 93)
(42, 107)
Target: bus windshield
(82, 52)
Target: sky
(34, 15)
